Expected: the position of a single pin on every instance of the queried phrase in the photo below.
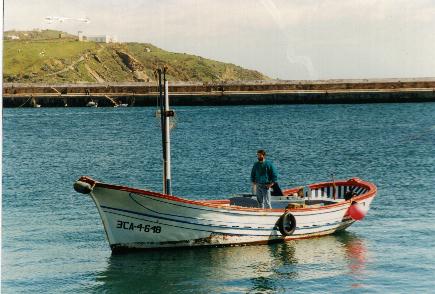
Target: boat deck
(278, 202)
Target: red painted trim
(218, 203)
(288, 192)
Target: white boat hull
(135, 219)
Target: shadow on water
(272, 268)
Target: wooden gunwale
(371, 191)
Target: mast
(165, 114)
(162, 122)
(167, 139)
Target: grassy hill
(54, 57)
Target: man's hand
(269, 185)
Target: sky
(285, 39)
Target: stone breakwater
(265, 92)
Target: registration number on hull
(138, 227)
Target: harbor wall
(141, 94)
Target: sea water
(53, 240)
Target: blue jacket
(264, 172)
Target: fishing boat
(142, 219)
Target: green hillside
(55, 57)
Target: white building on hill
(98, 39)
(102, 39)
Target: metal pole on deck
(167, 137)
(162, 123)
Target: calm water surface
(53, 240)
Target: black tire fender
(287, 224)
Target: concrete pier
(264, 92)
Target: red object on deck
(357, 211)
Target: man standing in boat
(263, 176)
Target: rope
(111, 100)
(25, 102)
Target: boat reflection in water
(306, 265)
